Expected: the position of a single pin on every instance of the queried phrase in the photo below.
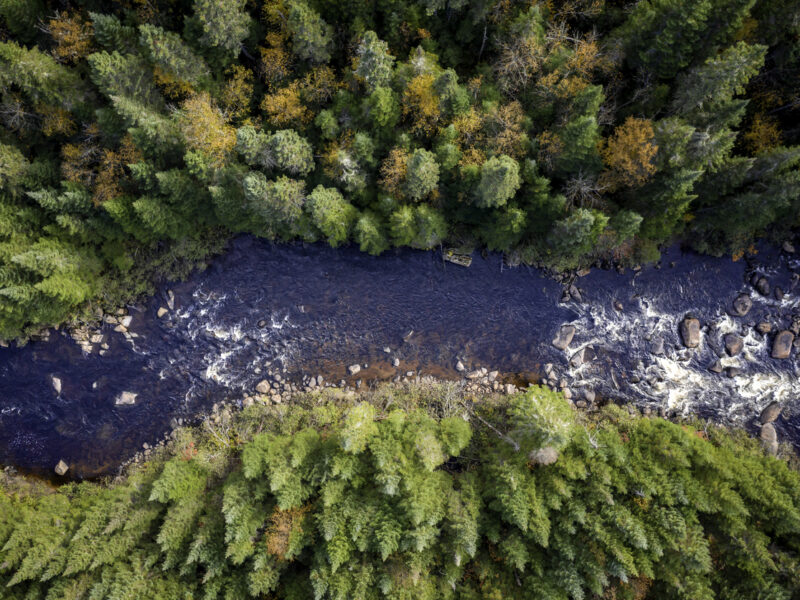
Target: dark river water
(324, 309)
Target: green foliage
(172, 123)
(331, 214)
(422, 174)
(375, 62)
(499, 181)
(224, 23)
(312, 38)
(401, 493)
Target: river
(311, 310)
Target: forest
(139, 135)
(418, 492)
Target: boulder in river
(770, 413)
(161, 312)
(779, 293)
(263, 387)
(769, 438)
(564, 337)
(126, 398)
(768, 433)
(782, 346)
(742, 304)
(733, 344)
(690, 332)
(577, 359)
(762, 285)
(763, 328)
(56, 383)
(126, 321)
(657, 346)
(716, 367)
(353, 369)
(61, 468)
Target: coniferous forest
(138, 135)
(418, 493)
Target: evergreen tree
(224, 23)
(499, 181)
(331, 214)
(312, 38)
(422, 174)
(375, 62)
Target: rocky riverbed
(691, 335)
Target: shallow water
(325, 309)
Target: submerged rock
(782, 346)
(742, 304)
(564, 337)
(690, 332)
(763, 328)
(126, 398)
(770, 413)
(61, 468)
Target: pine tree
(312, 38)
(224, 23)
(331, 214)
(375, 62)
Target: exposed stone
(476, 374)
(733, 344)
(121, 329)
(657, 346)
(618, 305)
(263, 387)
(353, 369)
(589, 395)
(567, 393)
(742, 304)
(493, 375)
(768, 433)
(564, 337)
(770, 413)
(61, 468)
(782, 346)
(460, 367)
(511, 388)
(788, 247)
(762, 285)
(171, 299)
(577, 359)
(690, 332)
(261, 323)
(763, 328)
(161, 312)
(733, 371)
(575, 293)
(56, 384)
(126, 321)
(716, 367)
(544, 456)
(97, 338)
(126, 398)
(387, 350)
(395, 362)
